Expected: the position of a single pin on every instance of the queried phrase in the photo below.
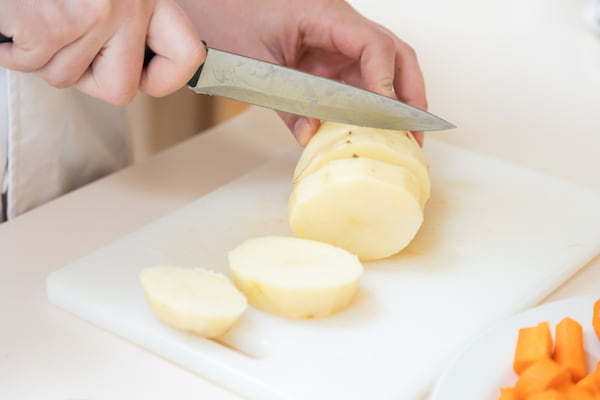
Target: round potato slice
(367, 207)
(336, 141)
(295, 278)
(192, 299)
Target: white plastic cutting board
(496, 239)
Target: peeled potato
(293, 277)
(335, 141)
(370, 208)
(193, 300)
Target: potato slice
(295, 278)
(336, 141)
(192, 299)
(367, 207)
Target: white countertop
(521, 80)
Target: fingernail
(302, 131)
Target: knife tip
(447, 125)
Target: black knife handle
(148, 54)
(5, 39)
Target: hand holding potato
(324, 37)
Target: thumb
(177, 47)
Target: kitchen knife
(280, 88)
(274, 86)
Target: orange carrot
(508, 393)
(542, 375)
(591, 382)
(574, 392)
(596, 318)
(533, 343)
(598, 375)
(568, 348)
(550, 394)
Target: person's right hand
(98, 45)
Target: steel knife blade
(280, 88)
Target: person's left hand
(324, 37)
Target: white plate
(485, 364)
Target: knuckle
(386, 83)
(31, 62)
(135, 7)
(328, 3)
(388, 44)
(58, 81)
(23, 66)
(409, 50)
(196, 55)
(95, 11)
(56, 36)
(121, 96)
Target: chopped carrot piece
(596, 318)
(542, 375)
(591, 382)
(550, 394)
(508, 393)
(568, 348)
(533, 344)
(574, 392)
(597, 370)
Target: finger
(302, 128)
(178, 48)
(68, 65)
(409, 83)
(114, 75)
(377, 66)
(420, 137)
(19, 56)
(323, 63)
(5, 55)
(408, 80)
(363, 42)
